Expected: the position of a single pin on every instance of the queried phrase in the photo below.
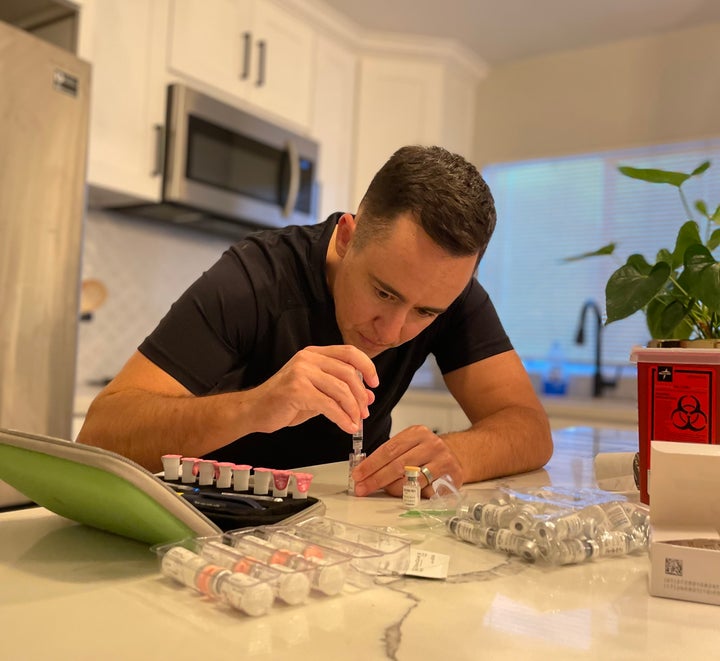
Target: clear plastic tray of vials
(328, 568)
(364, 561)
(373, 550)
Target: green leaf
(703, 276)
(629, 289)
(710, 287)
(697, 259)
(655, 176)
(684, 330)
(638, 262)
(684, 284)
(716, 215)
(605, 250)
(665, 317)
(714, 240)
(688, 235)
(701, 207)
(700, 169)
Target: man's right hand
(316, 381)
(145, 413)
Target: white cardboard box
(685, 521)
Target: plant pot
(678, 397)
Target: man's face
(390, 290)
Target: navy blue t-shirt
(265, 299)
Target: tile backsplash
(145, 267)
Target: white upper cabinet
(284, 49)
(211, 42)
(252, 50)
(123, 42)
(398, 104)
(411, 99)
(333, 123)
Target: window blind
(556, 208)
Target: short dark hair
(445, 193)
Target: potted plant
(680, 295)
(680, 292)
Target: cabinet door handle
(262, 50)
(294, 183)
(159, 165)
(247, 55)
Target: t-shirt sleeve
(202, 336)
(470, 331)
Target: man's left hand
(414, 446)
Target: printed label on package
(681, 404)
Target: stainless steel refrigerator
(44, 107)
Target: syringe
(357, 440)
(357, 437)
(357, 454)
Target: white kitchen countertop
(73, 592)
(601, 410)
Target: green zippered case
(105, 490)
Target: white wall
(632, 93)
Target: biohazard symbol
(689, 414)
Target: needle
(357, 437)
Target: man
(296, 337)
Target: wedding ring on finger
(428, 475)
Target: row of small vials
(252, 572)
(252, 569)
(536, 532)
(227, 475)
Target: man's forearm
(513, 440)
(143, 426)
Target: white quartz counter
(563, 411)
(71, 592)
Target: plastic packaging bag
(551, 525)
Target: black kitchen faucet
(599, 382)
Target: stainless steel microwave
(230, 172)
